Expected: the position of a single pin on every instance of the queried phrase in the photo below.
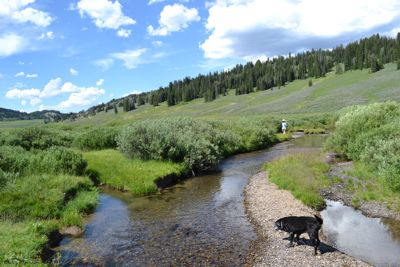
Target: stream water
(201, 221)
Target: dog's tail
(318, 219)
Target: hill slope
(328, 94)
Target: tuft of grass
(303, 175)
(83, 203)
(111, 167)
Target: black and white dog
(298, 225)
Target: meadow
(49, 172)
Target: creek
(201, 221)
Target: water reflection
(365, 238)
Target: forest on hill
(368, 53)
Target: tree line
(372, 52)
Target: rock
(74, 231)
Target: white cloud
(131, 58)
(157, 43)
(85, 97)
(35, 101)
(124, 33)
(100, 82)
(52, 88)
(10, 44)
(48, 35)
(19, 74)
(37, 17)
(73, 72)
(27, 75)
(104, 13)
(16, 11)
(241, 28)
(23, 94)
(1, 75)
(155, 1)
(78, 96)
(104, 64)
(33, 75)
(134, 92)
(174, 18)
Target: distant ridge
(46, 115)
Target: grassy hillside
(328, 94)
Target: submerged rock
(74, 231)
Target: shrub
(371, 134)
(13, 159)
(58, 160)
(194, 142)
(96, 139)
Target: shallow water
(368, 239)
(199, 222)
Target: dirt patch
(265, 203)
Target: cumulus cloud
(73, 72)
(155, 1)
(131, 58)
(27, 75)
(78, 96)
(48, 35)
(11, 43)
(124, 33)
(16, 11)
(104, 13)
(174, 18)
(157, 43)
(100, 82)
(241, 28)
(85, 97)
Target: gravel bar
(265, 203)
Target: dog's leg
(315, 241)
(291, 239)
(298, 239)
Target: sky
(70, 55)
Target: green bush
(35, 138)
(13, 159)
(58, 160)
(96, 139)
(371, 134)
(194, 142)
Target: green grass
(303, 175)
(138, 176)
(21, 243)
(370, 186)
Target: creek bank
(265, 203)
(339, 192)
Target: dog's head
(279, 225)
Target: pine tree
(339, 68)
(310, 83)
(398, 64)
(115, 108)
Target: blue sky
(70, 55)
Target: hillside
(48, 115)
(328, 94)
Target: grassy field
(301, 174)
(111, 167)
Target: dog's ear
(318, 219)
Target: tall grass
(303, 175)
(111, 167)
(371, 134)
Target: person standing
(284, 126)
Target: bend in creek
(373, 240)
(201, 221)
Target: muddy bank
(265, 203)
(339, 192)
